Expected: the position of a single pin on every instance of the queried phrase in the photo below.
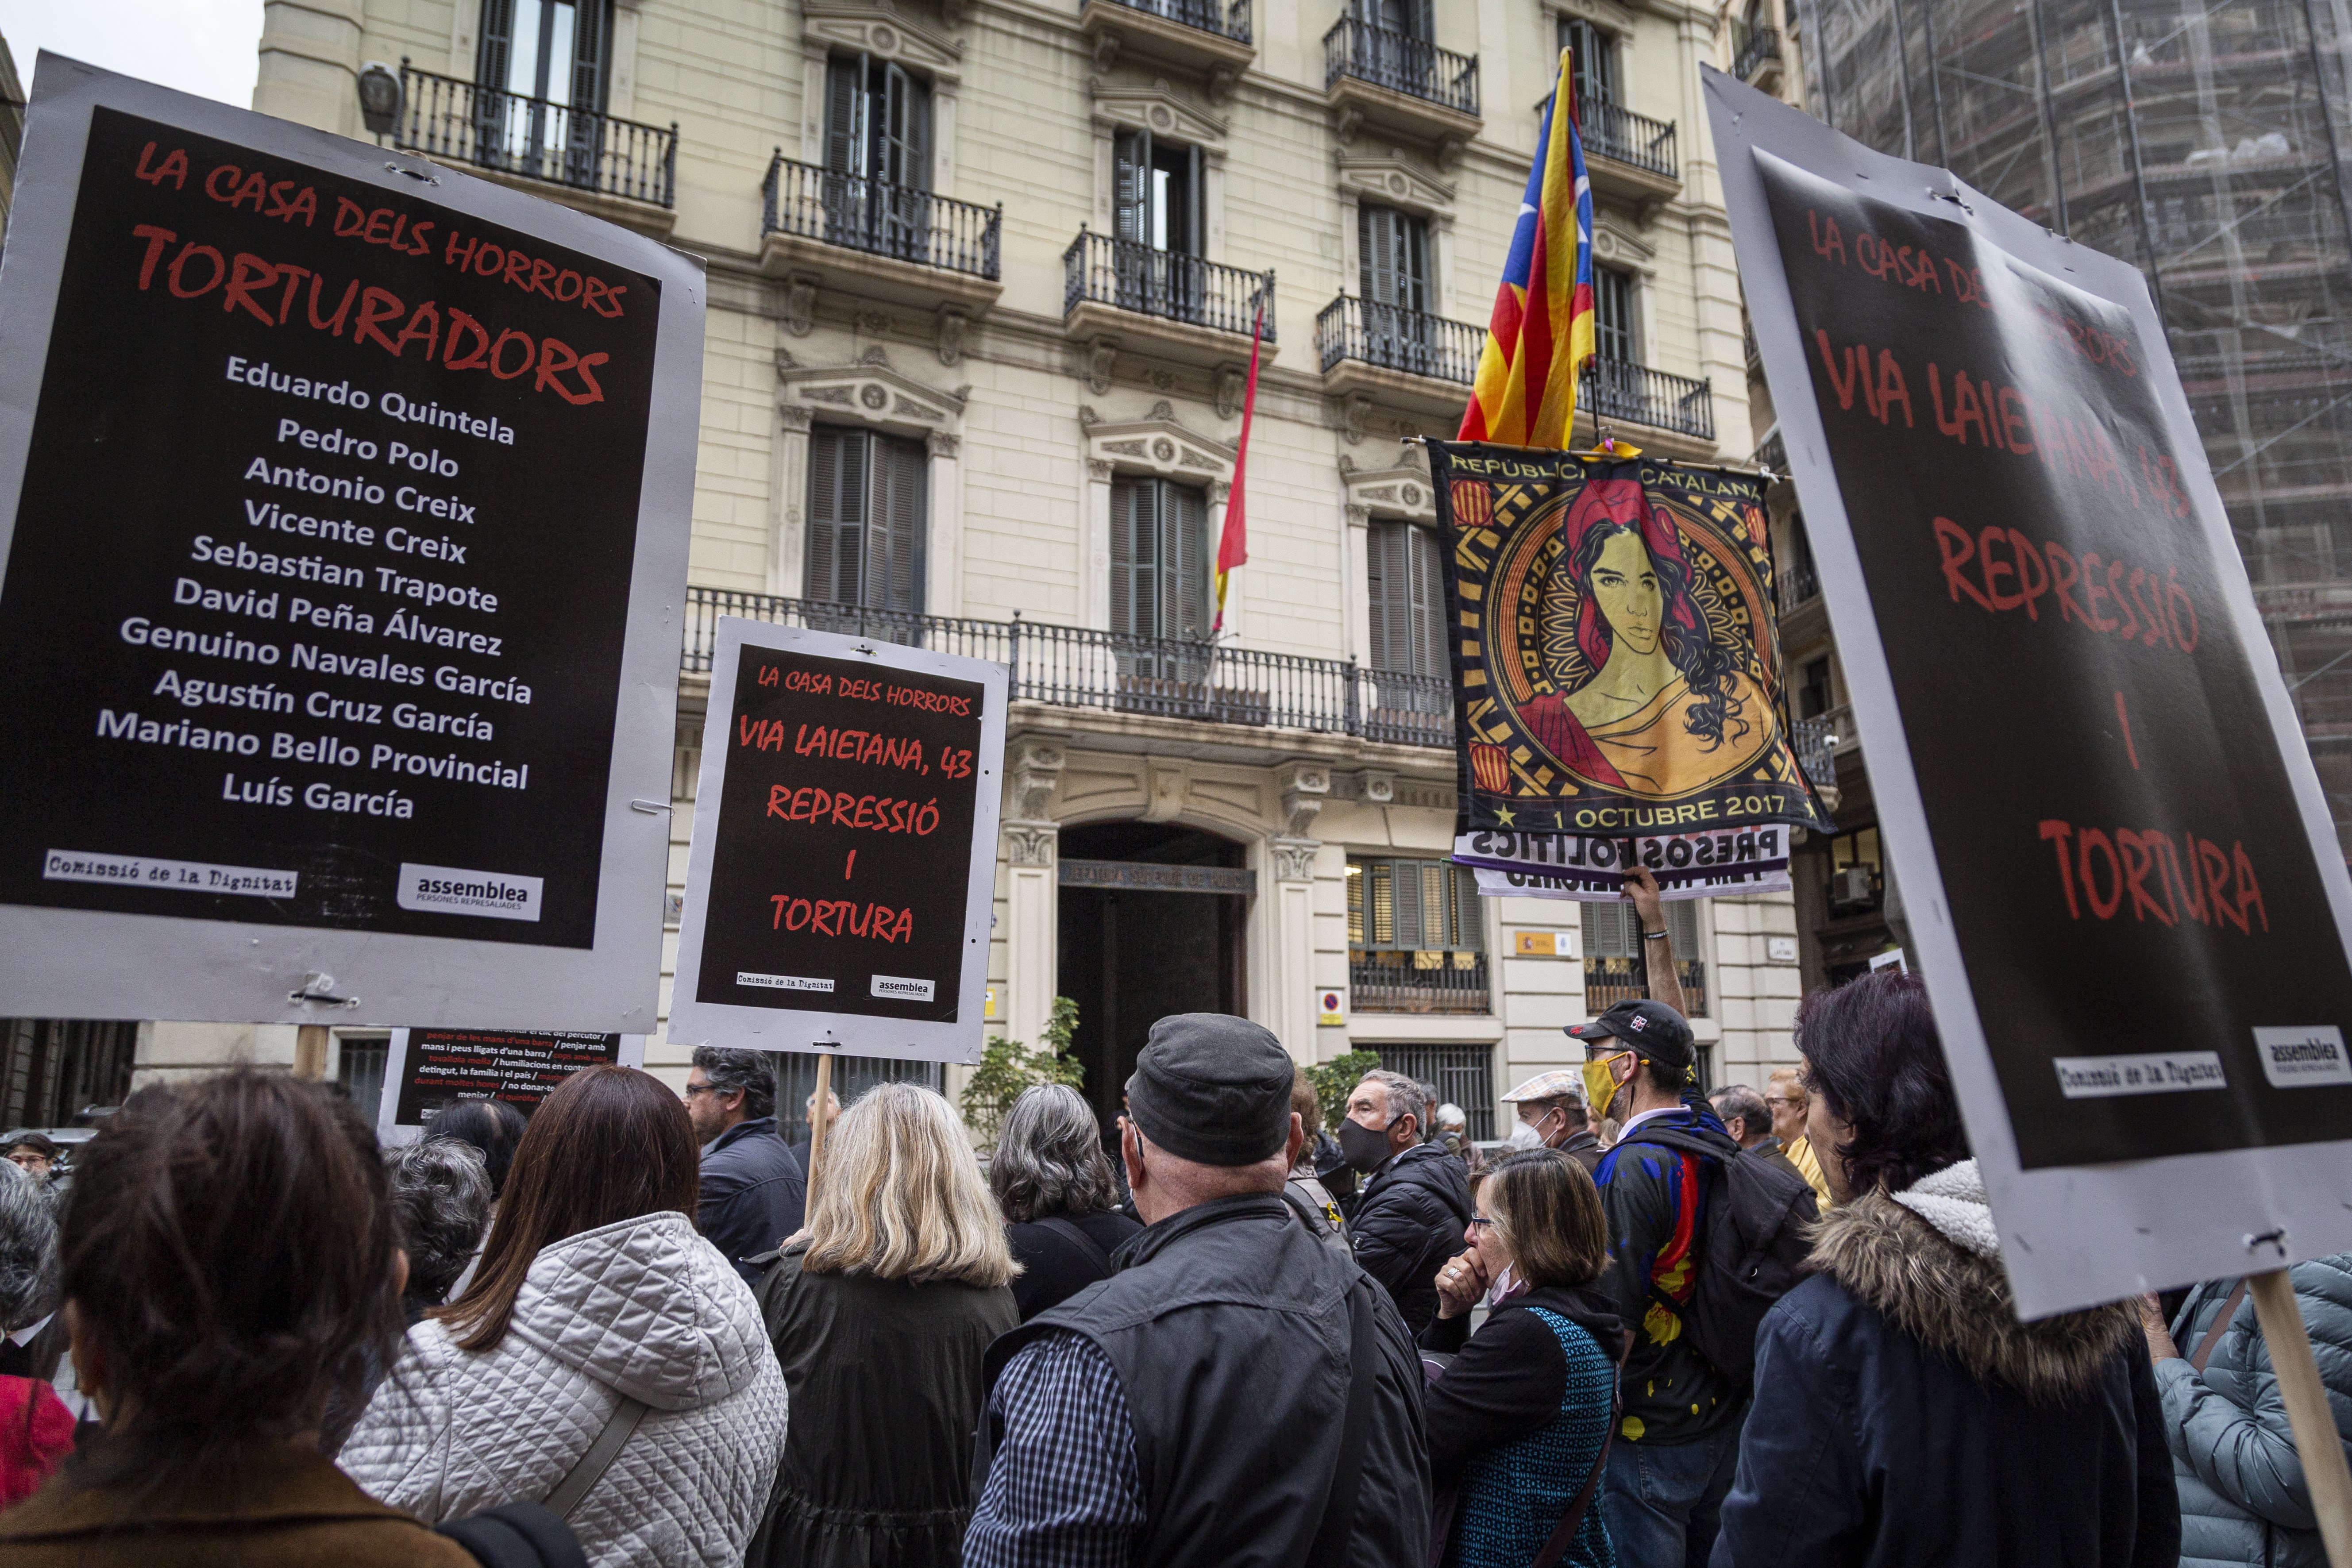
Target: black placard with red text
(2145, 931)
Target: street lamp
(380, 96)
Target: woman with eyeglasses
(1519, 1421)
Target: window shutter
(1613, 315)
(1357, 872)
(1424, 649)
(1131, 192)
(1125, 502)
(1407, 880)
(1379, 576)
(906, 130)
(592, 34)
(1611, 931)
(894, 526)
(1383, 876)
(1681, 926)
(1376, 231)
(498, 42)
(1413, 262)
(1187, 593)
(844, 103)
(824, 512)
(1423, 15)
(1469, 920)
(1195, 239)
(1436, 890)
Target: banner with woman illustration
(1617, 672)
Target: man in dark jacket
(1749, 1121)
(753, 1193)
(1238, 1395)
(1416, 1209)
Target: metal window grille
(1464, 1076)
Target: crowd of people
(641, 1328)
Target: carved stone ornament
(1035, 768)
(941, 445)
(1164, 450)
(1449, 153)
(1218, 492)
(1106, 46)
(793, 418)
(953, 325)
(1100, 470)
(1030, 845)
(872, 391)
(874, 397)
(1087, 417)
(1164, 409)
(1164, 380)
(1350, 122)
(1377, 788)
(1219, 87)
(872, 324)
(1159, 443)
(1305, 787)
(800, 304)
(1232, 382)
(1102, 355)
(1293, 859)
(1352, 415)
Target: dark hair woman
(1519, 1421)
(1060, 1199)
(229, 1260)
(1903, 1394)
(596, 1307)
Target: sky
(204, 47)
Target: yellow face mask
(1600, 1085)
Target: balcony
(1627, 155)
(1397, 357)
(870, 238)
(1609, 981)
(1618, 393)
(1189, 309)
(1439, 981)
(1758, 63)
(1800, 584)
(1204, 35)
(1164, 678)
(1406, 86)
(609, 167)
(1815, 740)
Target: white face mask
(1525, 1136)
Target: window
(866, 505)
(1593, 68)
(360, 1065)
(1612, 316)
(877, 157)
(1159, 559)
(542, 60)
(1464, 1075)
(852, 1076)
(1416, 937)
(1407, 588)
(1158, 193)
(1393, 273)
(1414, 18)
(1813, 689)
(1857, 879)
(1615, 958)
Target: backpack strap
(1329, 1547)
(516, 1535)
(1074, 1234)
(592, 1465)
(2212, 1340)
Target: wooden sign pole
(2316, 1440)
(817, 1118)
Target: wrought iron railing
(1762, 45)
(1135, 277)
(1609, 131)
(1076, 667)
(1397, 339)
(1609, 981)
(882, 219)
(490, 128)
(1799, 585)
(1816, 742)
(1773, 454)
(1441, 981)
(1636, 394)
(1227, 21)
(1402, 63)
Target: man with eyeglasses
(753, 1194)
(1785, 1098)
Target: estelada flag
(1541, 333)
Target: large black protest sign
(329, 536)
(840, 876)
(2117, 869)
(426, 1071)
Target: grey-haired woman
(1059, 1195)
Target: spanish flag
(1540, 335)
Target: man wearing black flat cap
(1237, 1392)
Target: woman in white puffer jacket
(596, 1303)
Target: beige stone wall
(1022, 110)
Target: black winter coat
(1410, 1220)
(753, 1195)
(1904, 1417)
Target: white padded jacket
(645, 1308)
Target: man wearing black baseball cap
(1677, 1439)
(1237, 1391)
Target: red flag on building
(1232, 544)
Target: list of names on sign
(316, 598)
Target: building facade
(984, 280)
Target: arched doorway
(1134, 949)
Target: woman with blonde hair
(880, 1311)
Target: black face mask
(1364, 1147)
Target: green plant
(1334, 1078)
(1007, 1066)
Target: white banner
(1593, 870)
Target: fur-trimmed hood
(1928, 1260)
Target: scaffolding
(2203, 142)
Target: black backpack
(1752, 1247)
